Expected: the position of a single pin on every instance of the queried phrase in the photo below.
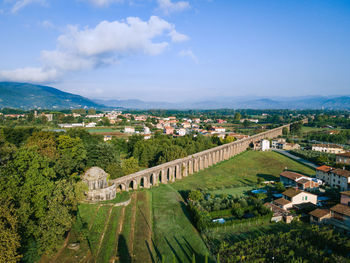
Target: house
(186, 125)
(328, 148)
(345, 198)
(169, 130)
(146, 130)
(295, 197)
(283, 203)
(278, 143)
(221, 121)
(322, 173)
(219, 129)
(129, 129)
(319, 216)
(300, 181)
(341, 216)
(290, 146)
(90, 125)
(337, 178)
(343, 158)
(340, 179)
(181, 132)
(262, 145)
(107, 137)
(279, 213)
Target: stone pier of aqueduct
(177, 169)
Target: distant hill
(309, 102)
(30, 96)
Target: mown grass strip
(97, 229)
(110, 239)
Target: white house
(181, 132)
(265, 145)
(129, 129)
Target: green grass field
(173, 232)
(241, 170)
(156, 222)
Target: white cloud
(103, 3)
(188, 53)
(23, 3)
(177, 37)
(105, 44)
(30, 74)
(167, 7)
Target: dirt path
(117, 233)
(132, 228)
(104, 231)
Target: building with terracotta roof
(319, 216)
(328, 148)
(296, 196)
(303, 182)
(341, 213)
(345, 198)
(337, 178)
(343, 158)
(283, 203)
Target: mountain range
(31, 96)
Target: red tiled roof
(291, 175)
(281, 201)
(319, 212)
(341, 209)
(341, 172)
(291, 192)
(324, 168)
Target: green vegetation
(244, 169)
(24, 95)
(323, 245)
(173, 231)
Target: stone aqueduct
(179, 168)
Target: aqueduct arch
(183, 167)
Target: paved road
(301, 160)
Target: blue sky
(178, 50)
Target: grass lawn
(173, 232)
(241, 170)
(143, 228)
(97, 229)
(110, 238)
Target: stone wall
(177, 169)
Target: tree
(130, 166)
(91, 111)
(285, 131)
(9, 237)
(45, 143)
(171, 153)
(72, 155)
(237, 116)
(195, 195)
